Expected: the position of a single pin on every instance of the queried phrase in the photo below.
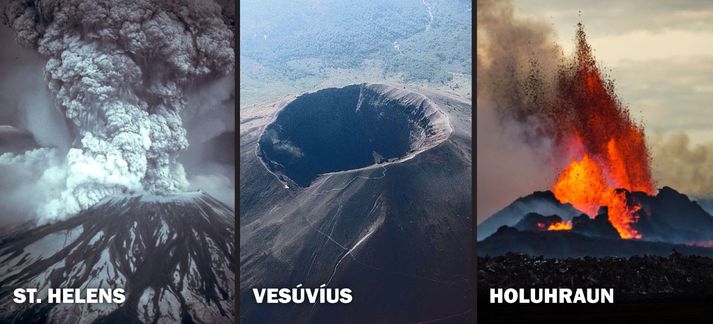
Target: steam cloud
(119, 71)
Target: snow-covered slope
(174, 255)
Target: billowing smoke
(512, 160)
(38, 175)
(507, 167)
(510, 51)
(120, 71)
(683, 165)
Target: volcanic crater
(350, 128)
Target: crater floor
(349, 128)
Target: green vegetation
(307, 41)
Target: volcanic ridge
(666, 221)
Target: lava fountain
(605, 148)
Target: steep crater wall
(354, 127)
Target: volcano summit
(342, 129)
(173, 255)
(362, 187)
(668, 220)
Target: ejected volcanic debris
(602, 159)
(359, 187)
(174, 256)
(593, 142)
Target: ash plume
(120, 71)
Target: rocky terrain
(394, 226)
(173, 255)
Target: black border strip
(236, 248)
(474, 158)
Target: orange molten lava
(560, 226)
(607, 149)
(585, 185)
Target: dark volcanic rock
(563, 244)
(582, 224)
(668, 216)
(541, 202)
(174, 256)
(668, 220)
(635, 278)
(398, 234)
(340, 129)
(599, 226)
(672, 217)
(537, 222)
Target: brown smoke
(508, 49)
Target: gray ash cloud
(120, 72)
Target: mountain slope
(174, 256)
(541, 202)
(398, 234)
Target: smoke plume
(210, 123)
(119, 71)
(507, 167)
(509, 51)
(512, 159)
(682, 165)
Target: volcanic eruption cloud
(595, 145)
(119, 72)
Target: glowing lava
(584, 185)
(606, 149)
(560, 226)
